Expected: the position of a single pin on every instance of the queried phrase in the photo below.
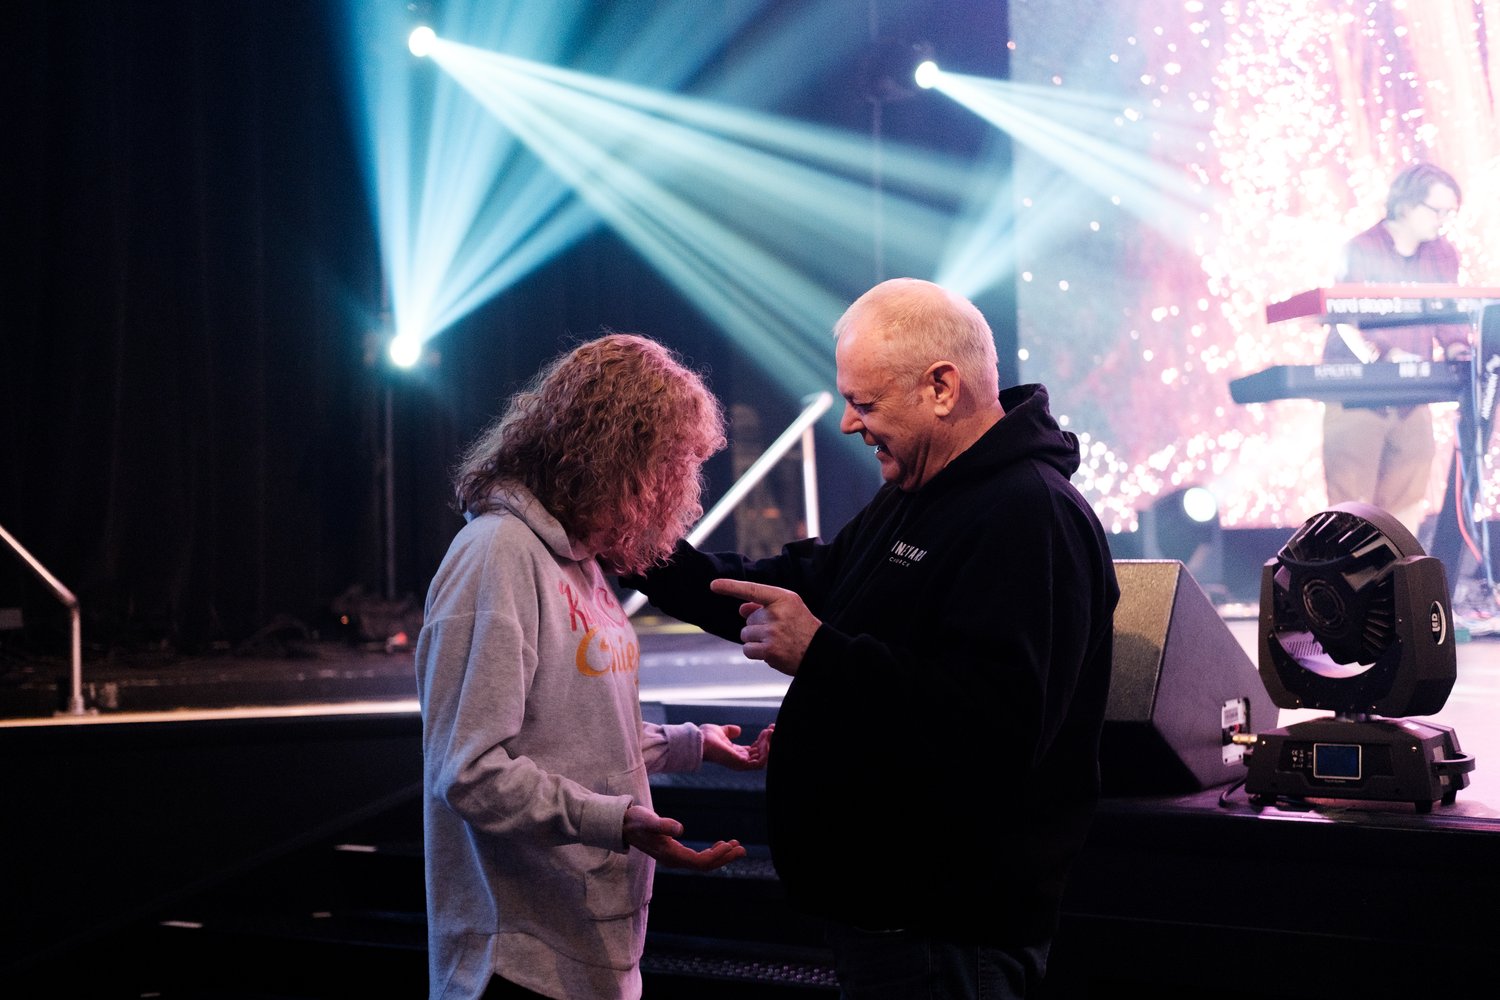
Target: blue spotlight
(1184, 525)
(405, 351)
(1200, 505)
(927, 74)
(420, 41)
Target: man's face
(1435, 211)
(886, 410)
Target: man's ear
(943, 381)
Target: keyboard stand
(1465, 480)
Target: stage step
(680, 967)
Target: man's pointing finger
(759, 593)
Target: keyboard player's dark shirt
(1371, 257)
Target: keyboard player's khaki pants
(1381, 456)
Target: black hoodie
(935, 763)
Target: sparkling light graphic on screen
(1291, 117)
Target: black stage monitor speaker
(1182, 687)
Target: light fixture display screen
(1181, 165)
(1337, 761)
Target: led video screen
(1190, 163)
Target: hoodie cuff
(603, 822)
(684, 747)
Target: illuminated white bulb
(405, 351)
(1200, 505)
(420, 41)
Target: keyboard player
(1383, 455)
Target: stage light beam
(464, 212)
(1084, 136)
(751, 218)
(927, 74)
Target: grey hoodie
(534, 747)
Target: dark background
(192, 412)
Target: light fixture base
(1385, 760)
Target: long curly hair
(611, 438)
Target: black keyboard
(1403, 383)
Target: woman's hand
(657, 836)
(719, 747)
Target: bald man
(936, 754)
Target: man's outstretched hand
(657, 836)
(778, 626)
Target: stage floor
(679, 665)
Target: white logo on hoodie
(906, 555)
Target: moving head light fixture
(1355, 619)
(888, 69)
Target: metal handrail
(75, 698)
(801, 428)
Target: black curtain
(187, 412)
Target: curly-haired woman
(536, 756)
